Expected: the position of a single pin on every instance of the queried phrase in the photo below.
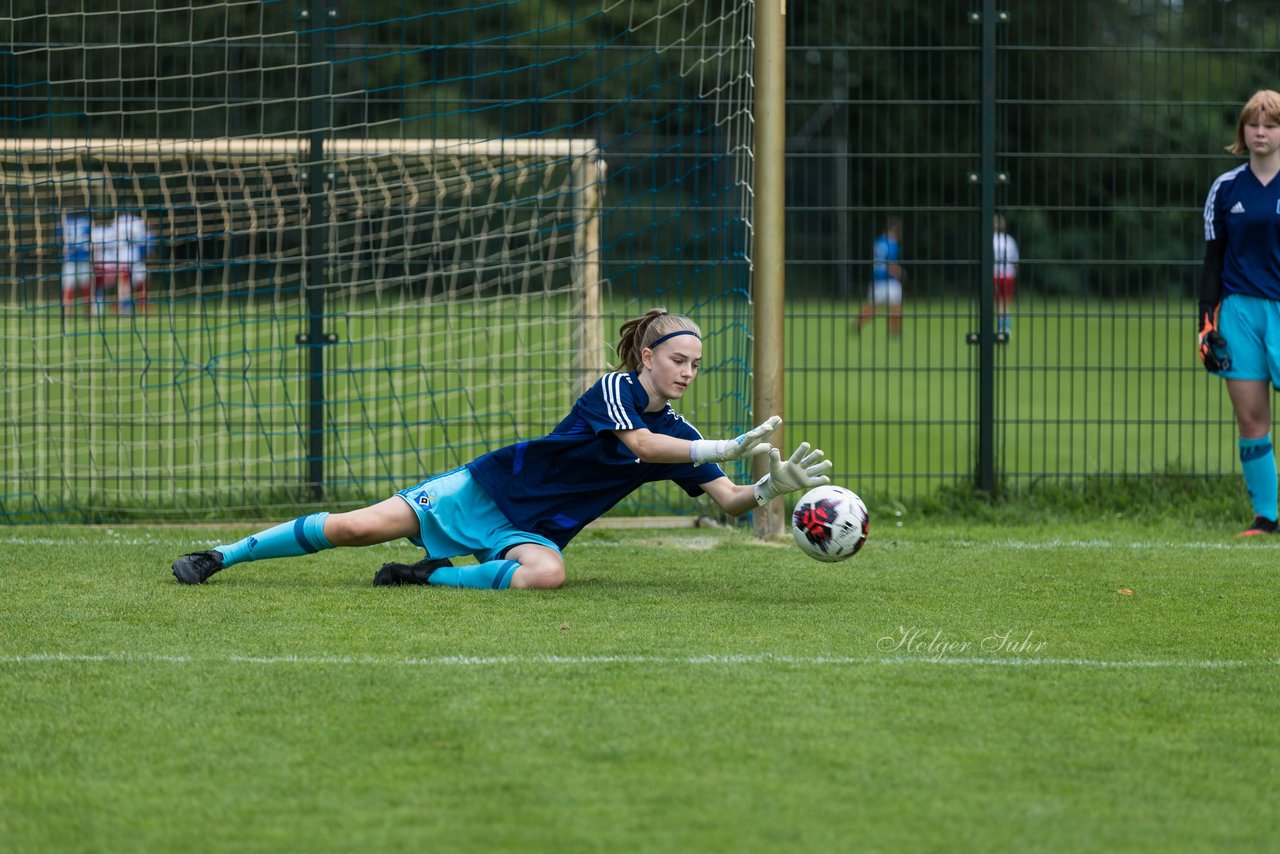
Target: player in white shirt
(1005, 276)
(110, 262)
(132, 229)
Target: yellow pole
(589, 181)
(768, 216)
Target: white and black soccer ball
(830, 523)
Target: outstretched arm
(804, 469)
(650, 447)
(732, 498)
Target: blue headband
(655, 344)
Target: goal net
(329, 313)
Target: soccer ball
(830, 523)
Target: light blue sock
(1258, 460)
(302, 536)
(491, 575)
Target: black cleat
(397, 574)
(196, 568)
(1261, 526)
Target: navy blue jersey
(1247, 214)
(555, 485)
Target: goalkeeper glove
(749, 444)
(804, 469)
(1212, 347)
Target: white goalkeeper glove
(803, 470)
(749, 444)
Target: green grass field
(1095, 686)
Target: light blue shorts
(1251, 326)
(456, 517)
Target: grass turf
(1106, 686)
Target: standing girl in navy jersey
(1239, 316)
(516, 508)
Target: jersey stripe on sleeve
(613, 390)
(1209, 232)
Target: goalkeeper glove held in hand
(1212, 347)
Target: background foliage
(1109, 107)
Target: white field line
(636, 660)
(697, 543)
(112, 540)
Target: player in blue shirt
(516, 508)
(886, 278)
(1238, 321)
(74, 229)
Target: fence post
(986, 474)
(315, 19)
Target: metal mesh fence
(1105, 124)
(1093, 127)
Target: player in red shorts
(1005, 275)
(111, 265)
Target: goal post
(769, 277)
(456, 272)
(589, 175)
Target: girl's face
(1262, 134)
(670, 369)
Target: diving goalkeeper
(515, 509)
